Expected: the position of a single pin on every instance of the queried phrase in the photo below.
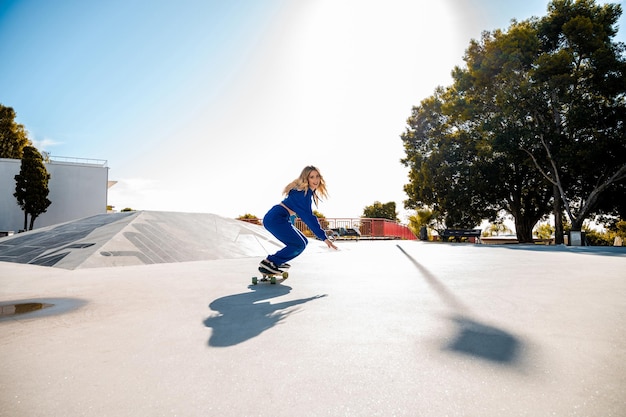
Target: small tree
(31, 186)
(379, 210)
(424, 219)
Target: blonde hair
(302, 184)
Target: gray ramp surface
(389, 328)
(138, 238)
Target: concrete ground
(386, 328)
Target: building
(78, 188)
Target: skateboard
(270, 277)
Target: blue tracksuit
(277, 221)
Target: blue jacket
(300, 202)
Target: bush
(597, 238)
(250, 218)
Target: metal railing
(368, 228)
(74, 160)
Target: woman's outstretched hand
(330, 244)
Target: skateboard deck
(270, 277)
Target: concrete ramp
(137, 238)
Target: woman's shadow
(241, 317)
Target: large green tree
(533, 117)
(580, 140)
(13, 136)
(31, 186)
(446, 166)
(496, 93)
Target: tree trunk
(524, 230)
(577, 223)
(25, 221)
(558, 217)
(32, 222)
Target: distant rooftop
(73, 160)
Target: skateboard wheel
(273, 280)
(255, 281)
(285, 275)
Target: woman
(300, 193)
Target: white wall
(77, 190)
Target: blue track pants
(277, 222)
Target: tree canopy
(13, 136)
(379, 210)
(533, 123)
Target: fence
(368, 228)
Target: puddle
(12, 309)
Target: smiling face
(314, 180)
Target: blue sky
(213, 106)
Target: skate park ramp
(136, 238)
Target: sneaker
(269, 266)
(285, 266)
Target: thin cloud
(45, 144)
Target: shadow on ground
(484, 342)
(241, 317)
(472, 337)
(617, 251)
